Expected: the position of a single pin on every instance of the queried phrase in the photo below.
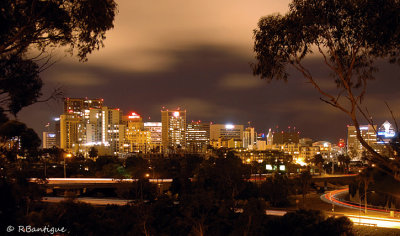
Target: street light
(68, 155)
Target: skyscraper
(249, 138)
(368, 133)
(155, 129)
(226, 131)
(197, 136)
(78, 106)
(71, 130)
(136, 138)
(173, 129)
(285, 137)
(104, 127)
(49, 139)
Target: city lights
(133, 115)
(229, 126)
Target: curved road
(382, 221)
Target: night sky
(197, 55)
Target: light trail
(332, 197)
(375, 221)
(95, 180)
(384, 222)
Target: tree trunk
(365, 195)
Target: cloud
(240, 81)
(201, 109)
(144, 31)
(76, 78)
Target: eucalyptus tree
(348, 36)
(29, 30)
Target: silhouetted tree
(311, 222)
(29, 27)
(318, 160)
(344, 162)
(304, 181)
(365, 177)
(276, 190)
(93, 152)
(349, 37)
(137, 167)
(18, 138)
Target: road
(355, 212)
(93, 201)
(55, 181)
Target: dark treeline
(207, 197)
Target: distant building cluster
(88, 123)
(375, 137)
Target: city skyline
(152, 59)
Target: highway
(55, 181)
(378, 217)
(93, 201)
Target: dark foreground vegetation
(207, 197)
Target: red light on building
(341, 143)
(133, 115)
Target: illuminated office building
(49, 139)
(173, 129)
(155, 129)
(325, 148)
(136, 138)
(78, 106)
(354, 147)
(71, 132)
(270, 139)
(385, 133)
(226, 131)
(249, 138)
(197, 136)
(104, 128)
(285, 137)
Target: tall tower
(78, 106)
(136, 137)
(270, 138)
(173, 129)
(249, 138)
(354, 147)
(155, 129)
(197, 136)
(71, 130)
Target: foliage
(310, 222)
(93, 152)
(42, 24)
(349, 37)
(276, 190)
(18, 138)
(199, 215)
(344, 162)
(304, 181)
(37, 27)
(224, 176)
(137, 167)
(318, 160)
(20, 81)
